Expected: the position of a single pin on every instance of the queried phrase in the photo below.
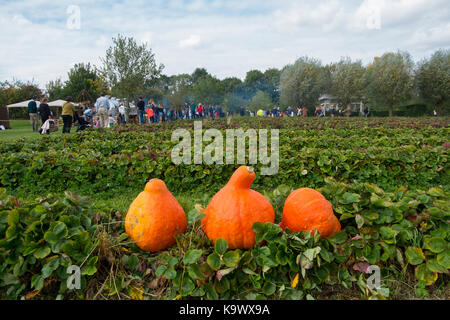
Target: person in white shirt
(102, 107)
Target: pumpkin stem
(243, 177)
(155, 185)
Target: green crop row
(99, 161)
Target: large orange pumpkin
(234, 209)
(307, 210)
(155, 217)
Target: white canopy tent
(59, 103)
(20, 104)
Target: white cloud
(193, 41)
(226, 37)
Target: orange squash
(234, 209)
(155, 217)
(307, 210)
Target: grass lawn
(22, 129)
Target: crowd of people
(106, 112)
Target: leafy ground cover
(409, 154)
(387, 180)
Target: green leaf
(42, 252)
(444, 259)
(170, 273)
(424, 274)
(221, 246)
(89, 270)
(160, 270)
(187, 286)
(231, 258)
(414, 255)
(269, 288)
(37, 282)
(214, 261)
(51, 266)
(348, 198)
(133, 261)
(436, 192)
(13, 217)
(258, 227)
(435, 244)
(434, 266)
(359, 221)
(195, 272)
(172, 262)
(191, 256)
(339, 237)
(311, 254)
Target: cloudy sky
(42, 39)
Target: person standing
(102, 106)
(122, 113)
(141, 110)
(44, 110)
(33, 113)
(160, 112)
(68, 110)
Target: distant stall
(4, 118)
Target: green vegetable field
(63, 202)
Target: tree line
(129, 70)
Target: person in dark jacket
(33, 112)
(44, 110)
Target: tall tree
(129, 67)
(433, 80)
(347, 81)
(261, 100)
(55, 90)
(234, 103)
(271, 84)
(391, 80)
(302, 83)
(199, 74)
(81, 77)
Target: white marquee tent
(20, 104)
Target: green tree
(347, 81)
(129, 68)
(81, 77)
(271, 84)
(179, 88)
(55, 90)
(302, 83)
(229, 85)
(433, 80)
(390, 80)
(199, 74)
(261, 100)
(234, 103)
(208, 90)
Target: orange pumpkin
(155, 217)
(234, 209)
(307, 210)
